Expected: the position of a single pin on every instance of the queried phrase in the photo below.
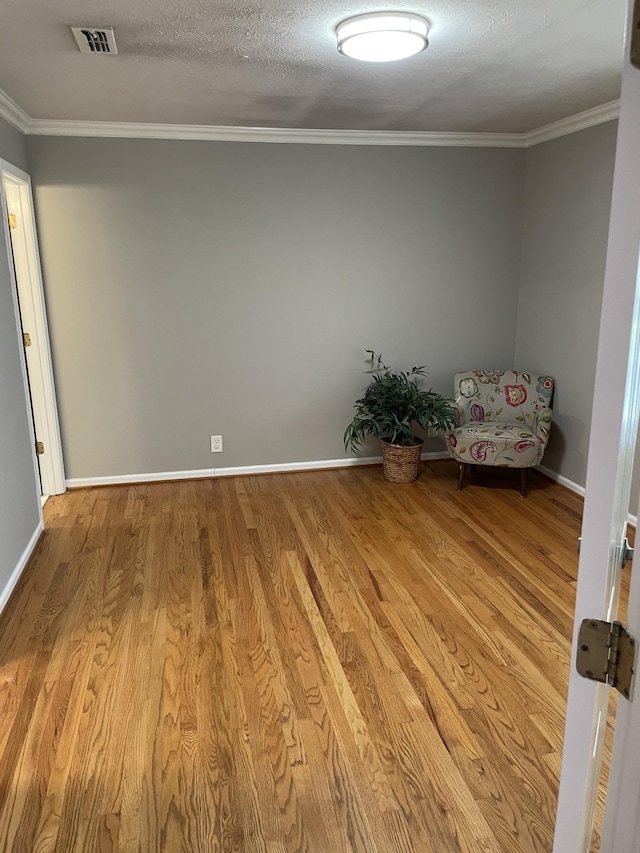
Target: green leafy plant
(392, 404)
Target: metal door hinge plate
(39, 447)
(26, 339)
(13, 222)
(607, 653)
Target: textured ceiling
(492, 65)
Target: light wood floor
(303, 662)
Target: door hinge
(39, 447)
(26, 339)
(607, 653)
(13, 222)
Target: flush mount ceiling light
(382, 36)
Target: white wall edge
(203, 473)
(14, 114)
(22, 562)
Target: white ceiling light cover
(382, 36)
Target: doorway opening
(31, 320)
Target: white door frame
(611, 450)
(27, 282)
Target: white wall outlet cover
(216, 444)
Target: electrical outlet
(216, 444)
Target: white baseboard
(283, 468)
(22, 562)
(132, 479)
(203, 473)
(564, 481)
(574, 487)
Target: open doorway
(22, 245)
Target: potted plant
(390, 407)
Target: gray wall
(196, 288)
(568, 185)
(18, 494)
(12, 145)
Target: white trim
(11, 112)
(132, 479)
(291, 467)
(572, 124)
(290, 135)
(297, 136)
(32, 304)
(22, 562)
(320, 465)
(23, 361)
(198, 474)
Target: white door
(611, 448)
(22, 245)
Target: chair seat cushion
(495, 443)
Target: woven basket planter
(399, 463)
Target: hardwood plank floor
(304, 662)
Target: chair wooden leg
(523, 481)
(461, 474)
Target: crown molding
(16, 116)
(11, 112)
(296, 136)
(572, 124)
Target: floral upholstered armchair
(503, 418)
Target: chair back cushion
(503, 396)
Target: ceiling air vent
(95, 40)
